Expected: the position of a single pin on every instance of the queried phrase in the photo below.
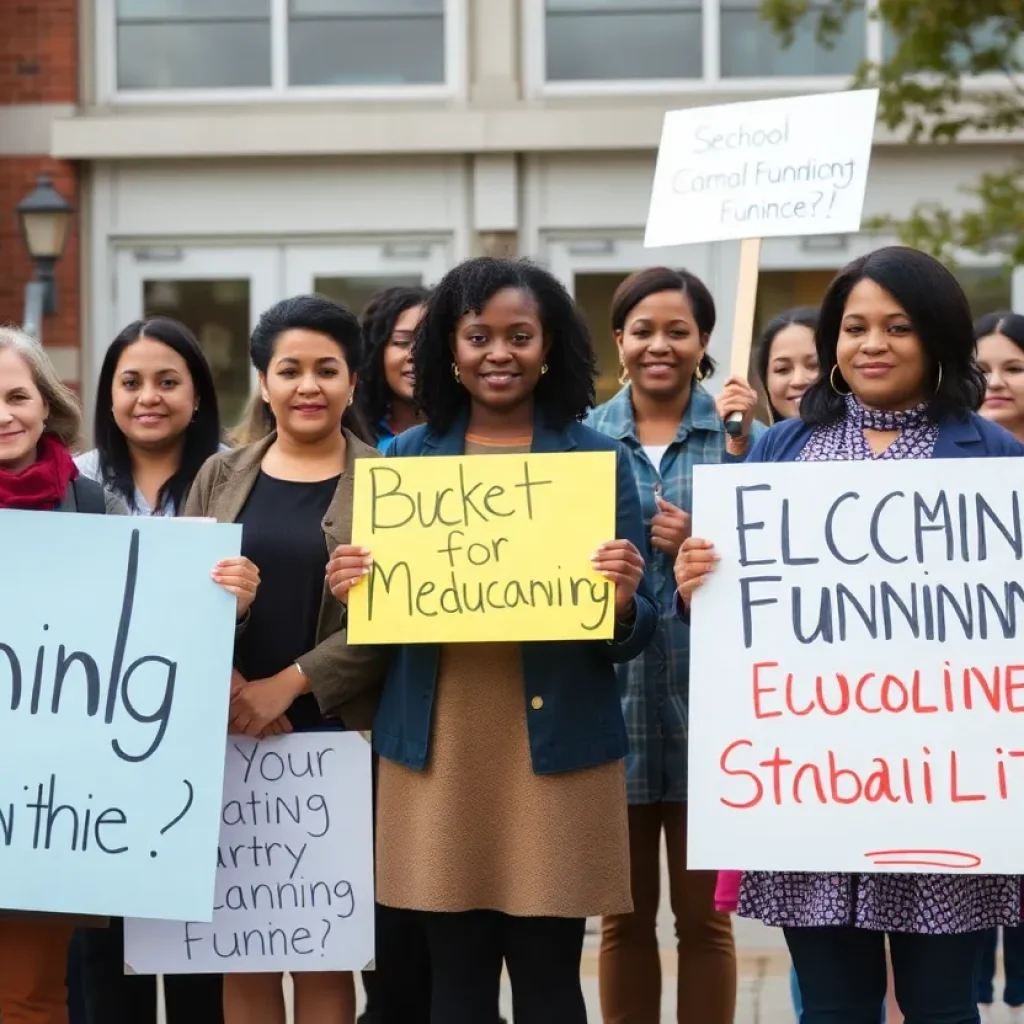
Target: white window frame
(535, 62)
(454, 85)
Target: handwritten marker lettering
(857, 675)
(487, 547)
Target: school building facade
(225, 153)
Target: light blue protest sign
(115, 667)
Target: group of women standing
(519, 788)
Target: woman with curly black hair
(385, 394)
(502, 805)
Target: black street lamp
(45, 219)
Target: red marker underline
(956, 860)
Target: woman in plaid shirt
(662, 320)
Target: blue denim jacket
(577, 723)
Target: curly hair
(563, 394)
(373, 396)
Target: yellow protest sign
(483, 547)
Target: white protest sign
(764, 169)
(294, 866)
(857, 670)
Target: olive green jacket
(346, 681)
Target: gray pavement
(763, 991)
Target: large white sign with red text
(857, 668)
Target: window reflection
(218, 314)
(608, 40)
(750, 48)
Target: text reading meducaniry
(483, 547)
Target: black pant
(543, 959)
(842, 975)
(398, 991)
(1013, 962)
(111, 997)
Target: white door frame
(303, 263)
(136, 264)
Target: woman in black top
(291, 491)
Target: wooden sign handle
(743, 321)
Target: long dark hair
(939, 312)
(563, 394)
(307, 313)
(637, 287)
(804, 316)
(373, 396)
(1009, 325)
(202, 436)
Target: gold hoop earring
(938, 383)
(624, 375)
(832, 381)
(698, 373)
(543, 368)
(455, 372)
(351, 397)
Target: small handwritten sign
(115, 667)
(294, 866)
(857, 673)
(483, 547)
(769, 168)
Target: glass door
(353, 273)
(218, 293)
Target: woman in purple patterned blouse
(898, 381)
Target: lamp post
(45, 219)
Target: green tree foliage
(954, 72)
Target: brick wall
(38, 65)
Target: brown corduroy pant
(630, 963)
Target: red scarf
(42, 486)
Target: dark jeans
(542, 955)
(1013, 964)
(842, 975)
(112, 997)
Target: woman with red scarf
(39, 425)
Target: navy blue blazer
(969, 437)
(577, 723)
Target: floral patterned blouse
(923, 904)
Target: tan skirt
(478, 829)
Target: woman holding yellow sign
(502, 803)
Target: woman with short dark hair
(898, 381)
(291, 491)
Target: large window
(277, 45)
(623, 39)
(750, 49)
(651, 41)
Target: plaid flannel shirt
(656, 685)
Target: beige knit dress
(478, 829)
